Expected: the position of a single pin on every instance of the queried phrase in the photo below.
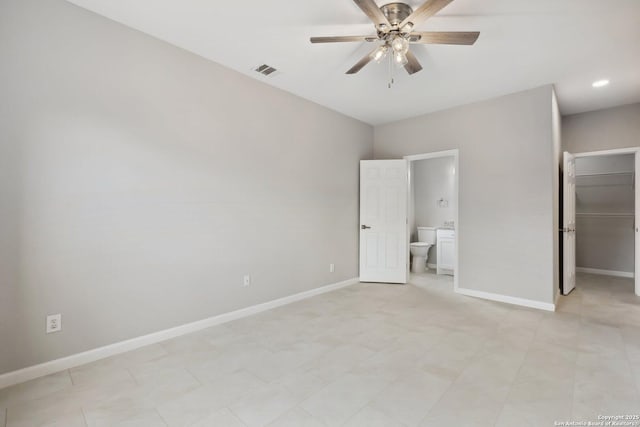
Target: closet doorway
(600, 217)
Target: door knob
(364, 227)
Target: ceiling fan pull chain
(393, 80)
(389, 69)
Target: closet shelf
(614, 179)
(604, 185)
(605, 174)
(606, 214)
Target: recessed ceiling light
(600, 83)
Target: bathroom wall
(508, 188)
(140, 182)
(434, 179)
(604, 242)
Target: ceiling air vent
(265, 69)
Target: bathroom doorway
(433, 217)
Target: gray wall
(605, 243)
(139, 183)
(433, 180)
(617, 127)
(507, 166)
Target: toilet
(420, 249)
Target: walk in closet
(605, 211)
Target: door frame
(613, 152)
(455, 153)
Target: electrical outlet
(247, 280)
(54, 323)
(332, 268)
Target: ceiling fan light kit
(380, 53)
(394, 23)
(400, 44)
(400, 58)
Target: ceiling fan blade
(371, 9)
(360, 64)
(413, 66)
(427, 10)
(445, 37)
(340, 39)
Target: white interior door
(636, 273)
(569, 224)
(384, 237)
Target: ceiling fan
(394, 24)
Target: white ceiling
(523, 44)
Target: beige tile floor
(367, 355)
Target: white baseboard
(47, 368)
(507, 299)
(601, 272)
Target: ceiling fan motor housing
(396, 13)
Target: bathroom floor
(368, 354)
(430, 280)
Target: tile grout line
(161, 417)
(364, 406)
(135, 380)
(228, 408)
(631, 368)
(575, 367)
(194, 377)
(450, 387)
(307, 413)
(357, 411)
(330, 382)
(70, 377)
(84, 416)
(514, 378)
(393, 381)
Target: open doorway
(605, 213)
(600, 220)
(433, 218)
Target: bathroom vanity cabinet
(446, 246)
